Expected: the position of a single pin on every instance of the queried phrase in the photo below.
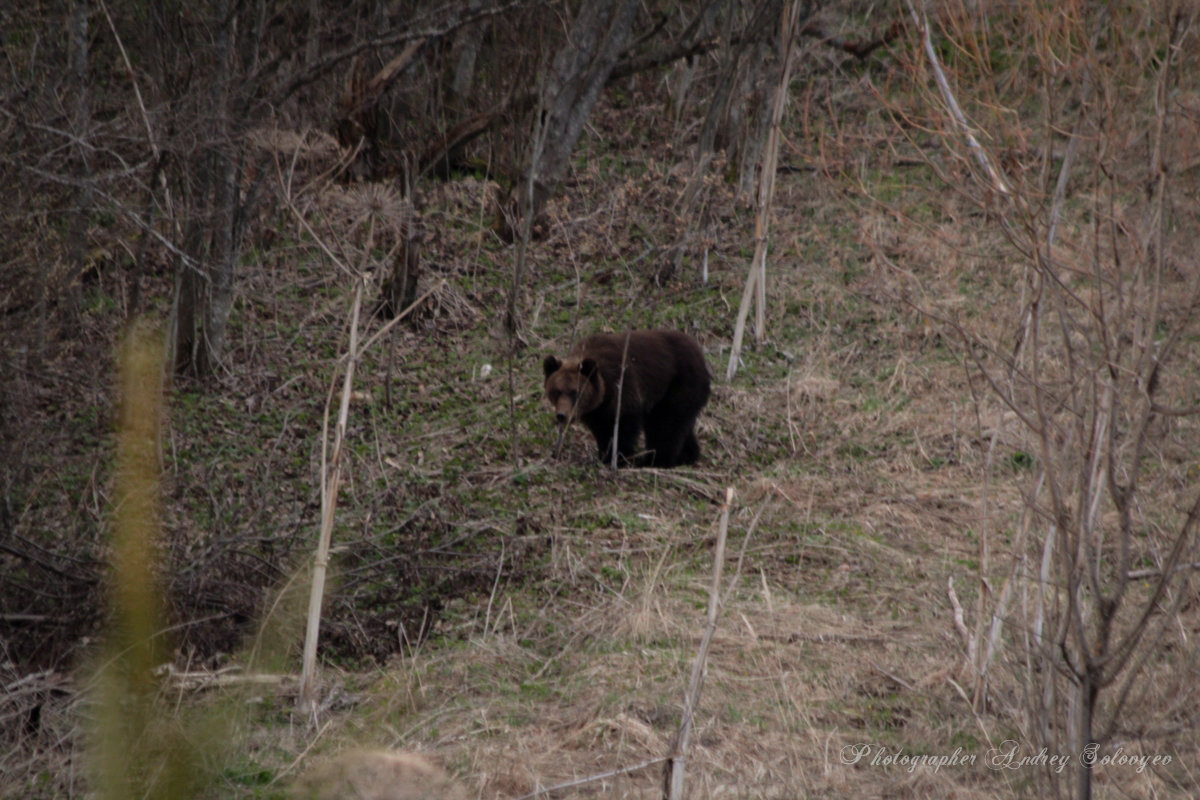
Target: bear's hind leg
(690, 452)
(670, 448)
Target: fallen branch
(196, 680)
(858, 49)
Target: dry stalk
(960, 624)
(396, 319)
(755, 290)
(620, 389)
(673, 770)
(558, 443)
(331, 475)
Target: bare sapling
(377, 218)
(990, 609)
(331, 472)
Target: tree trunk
(1088, 691)
(739, 112)
(218, 209)
(184, 333)
(577, 76)
(225, 251)
(463, 55)
(399, 291)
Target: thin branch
(999, 183)
(858, 49)
(449, 20)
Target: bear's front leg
(602, 431)
(627, 440)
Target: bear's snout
(561, 417)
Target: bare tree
(577, 75)
(215, 194)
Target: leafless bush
(1079, 152)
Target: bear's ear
(551, 365)
(588, 368)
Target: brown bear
(666, 384)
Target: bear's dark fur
(666, 384)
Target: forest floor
(528, 620)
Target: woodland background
(942, 259)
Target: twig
(287, 198)
(137, 91)
(147, 227)
(487, 618)
(858, 49)
(303, 754)
(673, 770)
(394, 320)
(737, 572)
(562, 435)
(433, 25)
(959, 623)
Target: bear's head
(574, 387)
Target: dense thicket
(151, 150)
